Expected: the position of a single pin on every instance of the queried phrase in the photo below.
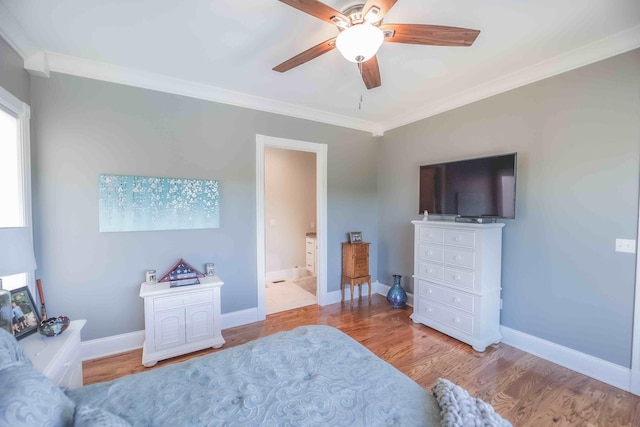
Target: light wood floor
(525, 389)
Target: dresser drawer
(447, 316)
(466, 239)
(460, 258)
(447, 296)
(431, 235)
(431, 252)
(460, 278)
(173, 301)
(430, 271)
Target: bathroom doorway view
(291, 255)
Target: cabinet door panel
(169, 328)
(199, 319)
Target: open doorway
(290, 229)
(282, 247)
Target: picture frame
(355, 237)
(22, 304)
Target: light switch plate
(626, 245)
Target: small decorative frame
(355, 237)
(25, 316)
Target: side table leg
(351, 286)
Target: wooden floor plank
(525, 389)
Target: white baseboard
(108, 346)
(289, 273)
(602, 370)
(377, 288)
(115, 344)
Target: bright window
(15, 187)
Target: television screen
(476, 187)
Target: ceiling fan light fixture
(360, 42)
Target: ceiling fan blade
(371, 73)
(315, 8)
(383, 5)
(433, 35)
(307, 55)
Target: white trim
(240, 317)
(602, 370)
(80, 67)
(288, 274)
(115, 344)
(635, 340)
(607, 47)
(38, 64)
(263, 141)
(107, 346)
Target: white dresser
(311, 255)
(457, 269)
(57, 357)
(180, 320)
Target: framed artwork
(355, 237)
(25, 317)
(141, 203)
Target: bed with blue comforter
(309, 376)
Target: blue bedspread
(312, 375)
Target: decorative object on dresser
(58, 357)
(457, 283)
(182, 274)
(355, 237)
(355, 267)
(43, 307)
(180, 320)
(150, 276)
(6, 314)
(397, 296)
(25, 316)
(209, 269)
(54, 326)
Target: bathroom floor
(290, 294)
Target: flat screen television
(484, 187)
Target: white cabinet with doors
(180, 320)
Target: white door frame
(634, 385)
(263, 141)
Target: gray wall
(13, 76)
(83, 128)
(577, 136)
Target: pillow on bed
(10, 351)
(28, 398)
(90, 416)
(459, 409)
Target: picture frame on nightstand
(25, 317)
(355, 237)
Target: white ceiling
(225, 50)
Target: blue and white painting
(140, 203)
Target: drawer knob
(456, 277)
(430, 253)
(430, 291)
(429, 310)
(456, 299)
(457, 258)
(457, 238)
(456, 320)
(67, 364)
(430, 270)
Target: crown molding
(80, 67)
(615, 44)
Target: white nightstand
(180, 320)
(57, 357)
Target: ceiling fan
(361, 33)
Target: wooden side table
(355, 267)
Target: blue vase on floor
(396, 296)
